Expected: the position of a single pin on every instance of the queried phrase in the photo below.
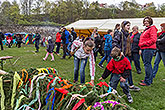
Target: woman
(122, 41)
(160, 44)
(81, 51)
(147, 44)
(117, 28)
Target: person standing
(160, 55)
(147, 44)
(122, 41)
(135, 49)
(9, 40)
(58, 42)
(72, 37)
(37, 41)
(1, 39)
(74, 34)
(50, 48)
(117, 28)
(43, 42)
(107, 48)
(19, 40)
(65, 42)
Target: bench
(4, 58)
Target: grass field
(149, 98)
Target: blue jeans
(136, 59)
(147, 58)
(130, 81)
(82, 69)
(159, 56)
(115, 78)
(69, 46)
(106, 57)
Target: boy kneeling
(120, 68)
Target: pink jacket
(148, 38)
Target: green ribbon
(2, 94)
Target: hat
(163, 24)
(49, 37)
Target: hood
(153, 26)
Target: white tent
(85, 27)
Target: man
(73, 33)
(135, 49)
(1, 38)
(37, 41)
(72, 37)
(160, 55)
(65, 41)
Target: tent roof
(87, 26)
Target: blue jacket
(108, 42)
(134, 45)
(67, 34)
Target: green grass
(149, 98)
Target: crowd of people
(118, 48)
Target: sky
(109, 2)
(142, 2)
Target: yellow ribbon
(15, 82)
(2, 94)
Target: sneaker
(130, 100)
(134, 88)
(143, 84)
(44, 59)
(101, 66)
(51, 60)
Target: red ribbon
(63, 91)
(103, 83)
(78, 104)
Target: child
(120, 68)
(50, 48)
(81, 51)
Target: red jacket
(148, 38)
(7, 38)
(118, 67)
(58, 37)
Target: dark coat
(116, 32)
(37, 39)
(117, 42)
(19, 39)
(2, 37)
(160, 43)
(73, 33)
(134, 45)
(97, 41)
(50, 46)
